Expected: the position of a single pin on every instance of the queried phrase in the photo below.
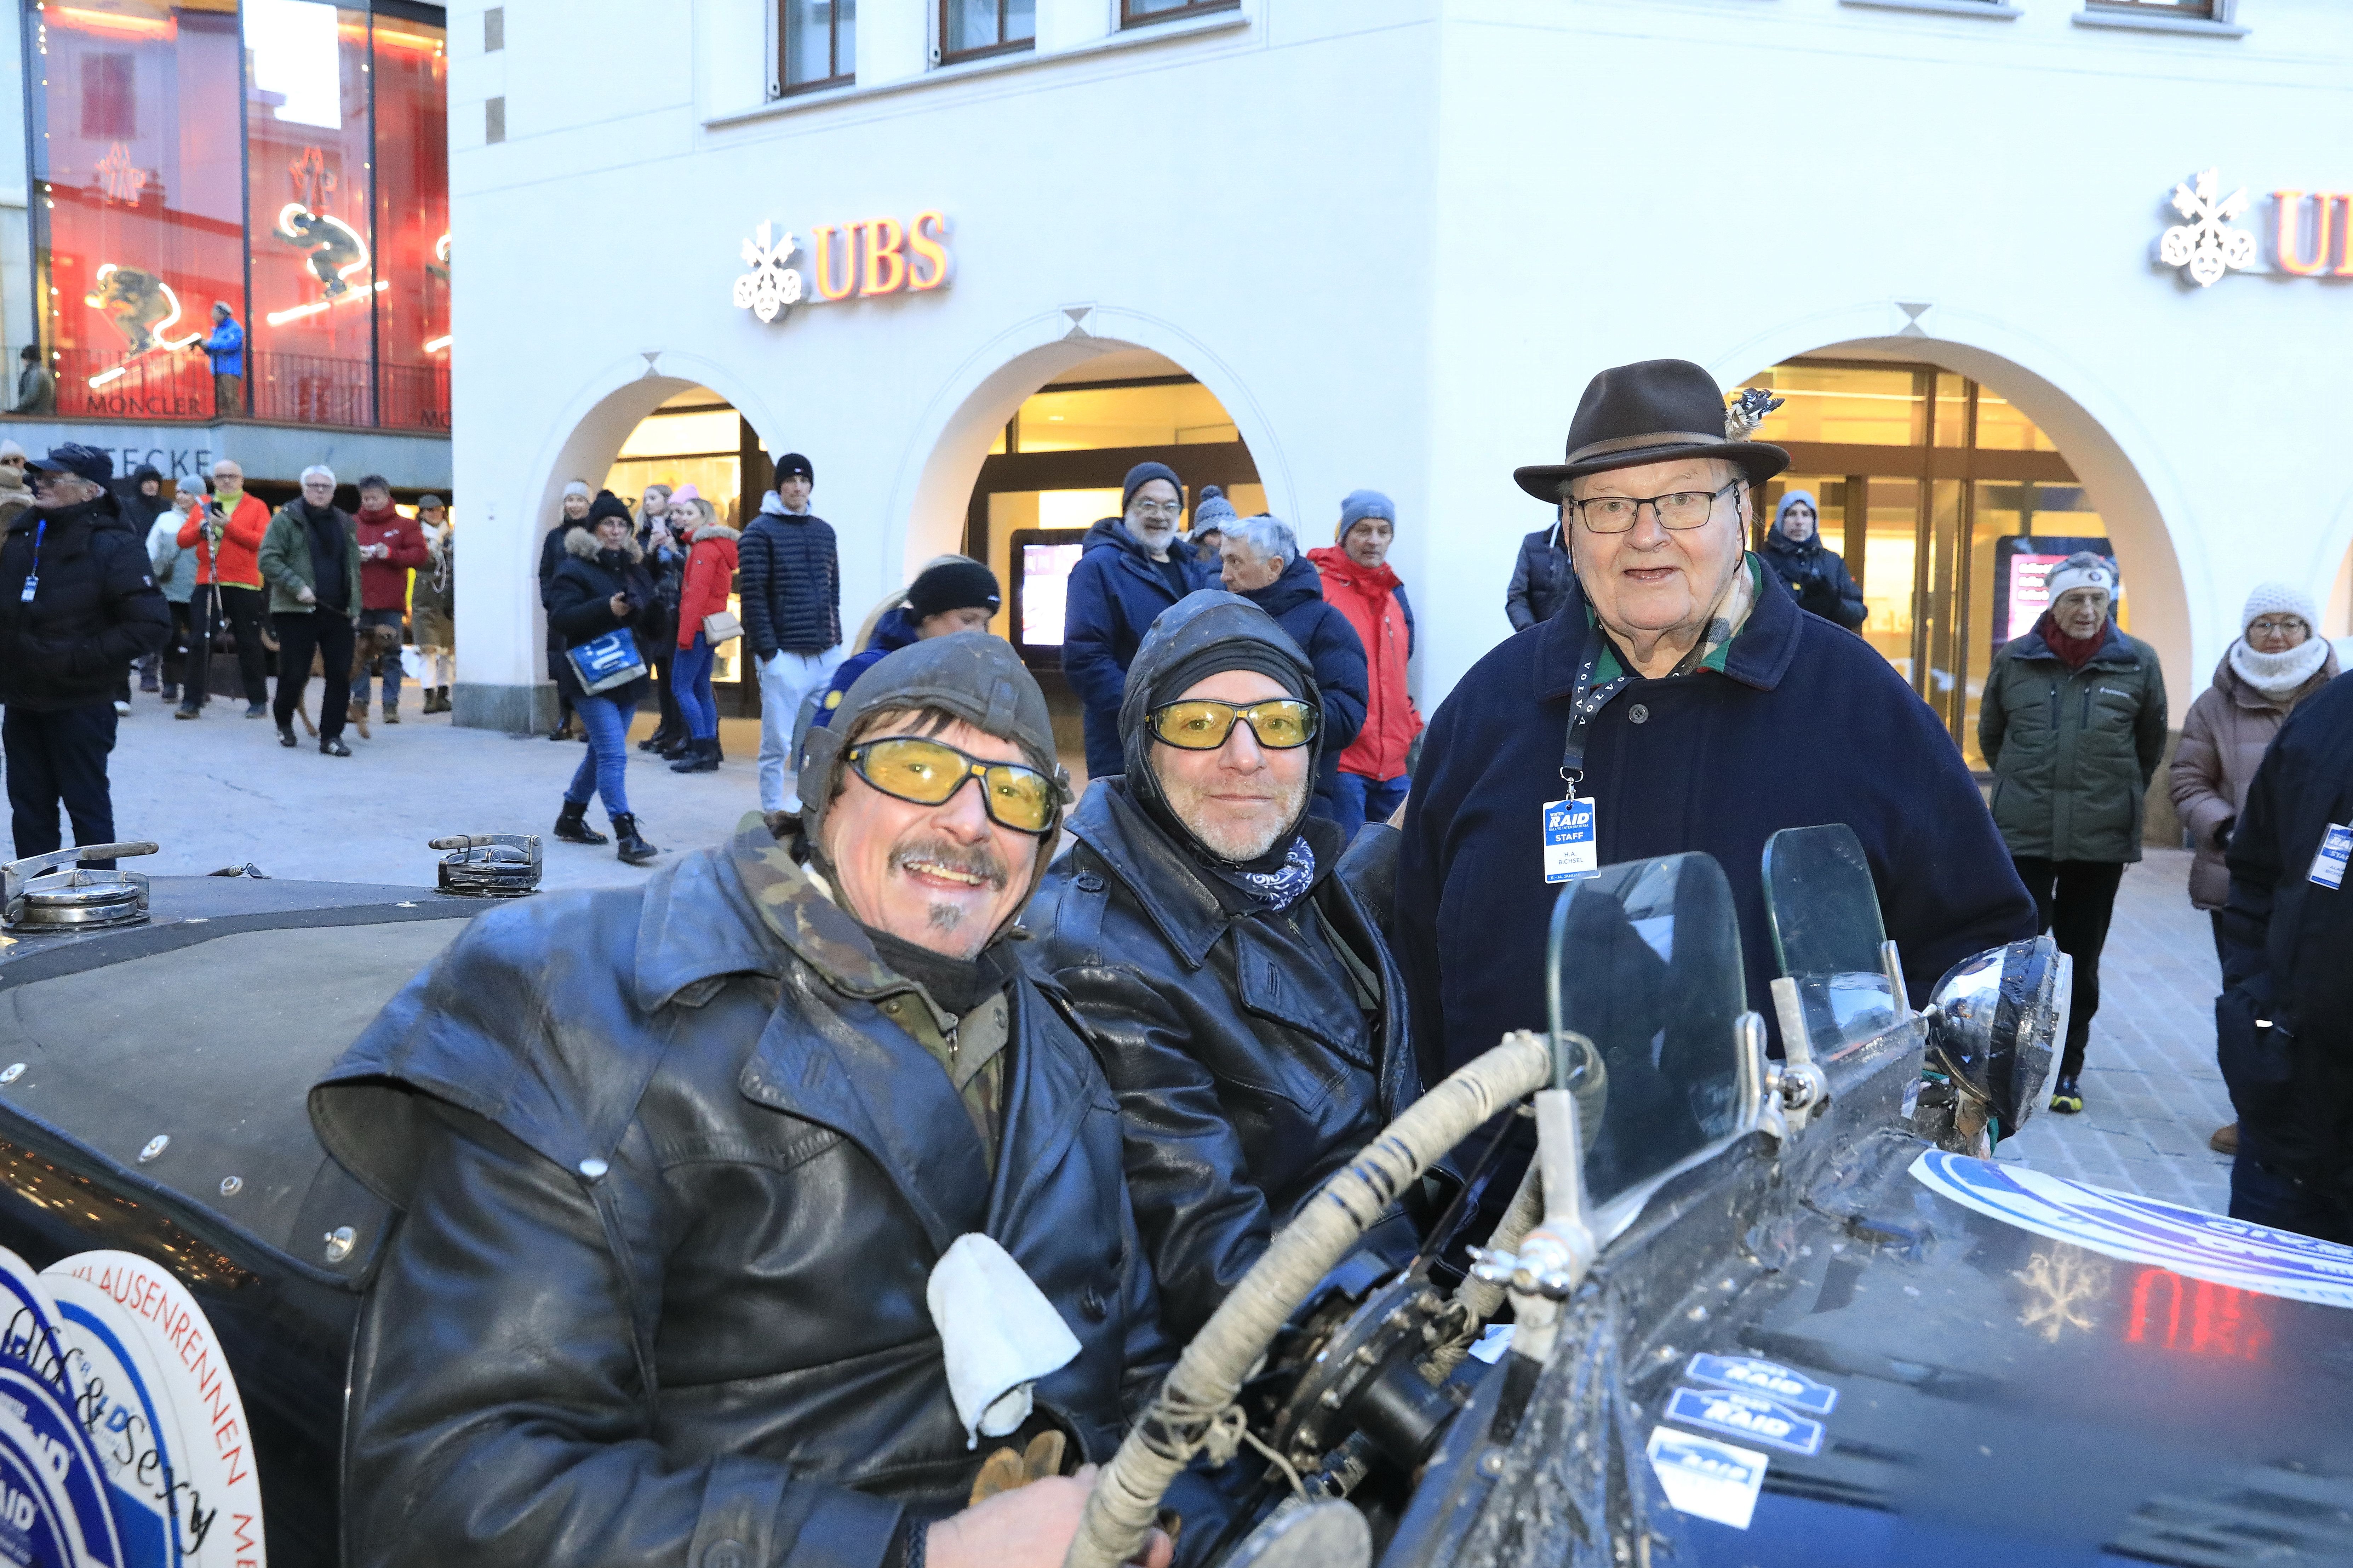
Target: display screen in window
(1045, 590)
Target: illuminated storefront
(286, 158)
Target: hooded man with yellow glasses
(1242, 1001)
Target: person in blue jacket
(1130, 567)
(1815, 574)
(955, 593)
(1263, 564)
(1689, 700)
(225, 348)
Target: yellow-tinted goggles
(929, 772)
(1202, 723)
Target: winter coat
(1296, 602)
(285, 560)
(580, 608)
(2072, 751)
(1805, 724)
(894, 630)
(1246, 1068)
(433, 602)
(1816, 576)
(1378, 613)
(792, 584)
(2285, 940)
(95, 610)
(673, 1182)
(383, 585)
(141, 509)
(37, 391)
(1116, 592)
(237, 563)
(709, 573)
(225, 345)
(2223, 738)
(667, 565)
(1540, 579)
(174, 568)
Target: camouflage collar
(798, 910)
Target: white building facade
(1389, 241)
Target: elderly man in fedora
(1681, 691)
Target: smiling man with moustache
(683, 1166)
(1243, 1002)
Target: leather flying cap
(1649, 413)
(73, 457)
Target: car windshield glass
(1823, 909)
(1650, 973)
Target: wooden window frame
(1131, 17)
(786, 86)
(1005, 45)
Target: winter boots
(572, 827)
(700, 756)
(391, 710)
(633, 847)
(437, 698)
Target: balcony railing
(295, 389)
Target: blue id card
(2336, 848)
(1571, 848)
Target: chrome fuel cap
(490, 865)
(56, 892)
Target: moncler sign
(852, 260)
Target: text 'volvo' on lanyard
(1571, 830)
(33, 578)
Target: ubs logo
(852, 260)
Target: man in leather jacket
(678, 1162)
(1241, 999)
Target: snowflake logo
(770, 286)
(2207, 243)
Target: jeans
(244, 608)
(2074, 900)
(690, 673)
(786, 678)
(329, 633)
(1357, 800)
(2263, 1195)
(54, 757)
(385, 664)
(600, 772)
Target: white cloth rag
(999, 1332)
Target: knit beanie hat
(191, 485)
(1144, 474)
(606, 504)
(1211, 510)
(577, 488)
(2084, 569)
(958, 585)
(2280, 599)
(10, 449)
(792, 465)
(1360, 505)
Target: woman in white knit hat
(2279, 660)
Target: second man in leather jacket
(1243, 1004)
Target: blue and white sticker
(1749, 1416)
(127, 1410)
(1706, 1479)
(38, 1528)
(2336, 848)
(1572, 848)
(39, 1389)
(1771, 1379)
(2133, 1229)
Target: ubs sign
(2307, 240)
(851, 260)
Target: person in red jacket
(710, 571)
(226, 538)
(1360, 584)
(391, 546)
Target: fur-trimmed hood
(582, 542)
(716, 530)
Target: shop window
(971, 28)
(1142, 13)
(1168, 414)
(412, 224)
(819, 39)
(695, 438)
(108, 108)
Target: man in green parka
(2072, 725)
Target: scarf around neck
(2279, 676)
(2074, 652)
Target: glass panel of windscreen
(1823, 909)
(1650, 973)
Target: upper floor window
(970, 28)
(819, 44)
(1137, 12)
(2206, 10)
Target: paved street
(221, 792)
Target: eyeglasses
(929, 772)
(1201, 724)
(1616, 514)
(2270, 628)
(1171, 508)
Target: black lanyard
(1585, 700)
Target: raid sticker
(38, 1528)
(2336, 848)
(40, 1388)
(1771, 1379)
(1572, 851)
(1750, 1415)
(1706, 1478)
(2132, 1229)
(133, 1423)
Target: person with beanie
(433, 604)
(391, 547)
(1239, 993)
(176, 573)
(1262, 563)
(310, 560)
(1372, 781)
(15, 495)
(600, 588)
(229, 569)
(791, 602)
(2072, 725)
(1815, 574)
(572, 514)
(1130, 567)
(1212, 515)
(2277, 662)
(711, 560)
(955, 593)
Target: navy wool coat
(1343, 685)
(1116, 592)
(1807, 724)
